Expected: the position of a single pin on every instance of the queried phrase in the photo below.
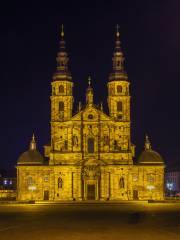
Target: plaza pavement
(138, 220)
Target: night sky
(29, 41)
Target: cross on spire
(33, 137)
(89, 92)
(117, 30)
(147, 143)
(89, 81)
(33, 143)
(62, 30)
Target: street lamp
(150, 188)
(170, 187)
(32, 188)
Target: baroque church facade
(91, 156)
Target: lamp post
(150, 188)
(170, 187)
(32, 188)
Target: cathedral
(90, 156)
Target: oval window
(90, 116)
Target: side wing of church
(91, 156)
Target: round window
(90, 116)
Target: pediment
(91, 113)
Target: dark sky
(29, 41)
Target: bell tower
(118, 86)
(61, 98)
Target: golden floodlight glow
(32, 188)
(150, 187)
(90, 155)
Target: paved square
(90, 221)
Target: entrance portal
(135, 195)
(91, 195)
(46, 195)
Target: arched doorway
(46, 195)
(91, 182)
(91, 191)
(135, 195)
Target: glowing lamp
(150, 187)
(169, 185)
(5, 182)
(32, 188)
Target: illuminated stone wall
(147, 181)
(62, 183)
(90, 155)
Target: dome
(150, 156)
(32, 156)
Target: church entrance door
(46, 195)
(135, 195)
(91, 194)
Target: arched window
(119, 89)
(119, 106)
(29, 181)
(150, 178)
(106, 140)
(61, 106)
(61, 89)
(116, 147)
(90, 145)
(66, 145)
(121, 182)
(75, 140)
(60, 182)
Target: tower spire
(62, 85)
(117, 43)
(89, 92)
(33, 143)
(147, 145)
(62, 60)
(62, 41)
(118, 58)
